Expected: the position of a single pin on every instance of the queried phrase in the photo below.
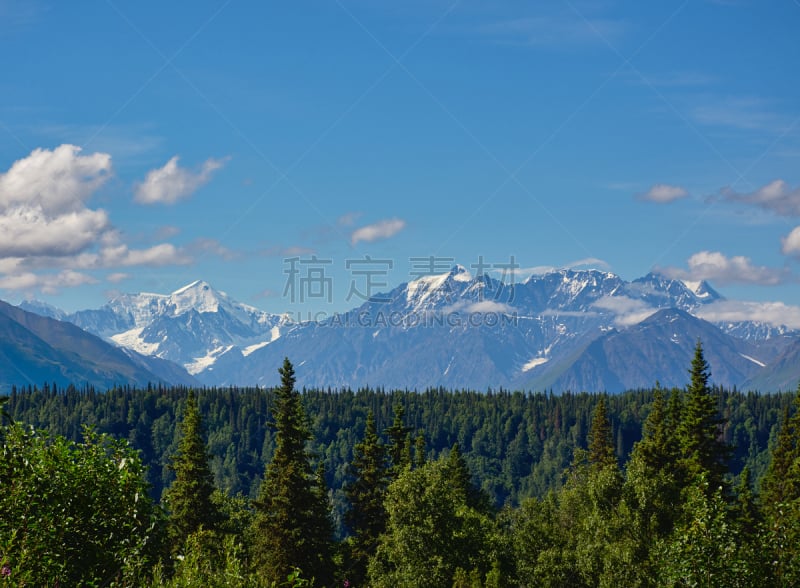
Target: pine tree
(657, 445)
(781, 483)
(420, 454)
(745, 509)
(601, 439)
(399, 445)
(188, 499)
(461, 480)
(699, 429)
(781, 501)
(292, 527)
(652, 490)
(366, 518)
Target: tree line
(438, 488)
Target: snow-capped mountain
(43, 309)
(37, 349)
(453, 329)
(191, 326)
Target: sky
(302, 156)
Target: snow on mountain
(192, 326)
(451, 329)
(42, 309)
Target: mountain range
(35, 349)
(562, 330)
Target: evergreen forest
(168, 486)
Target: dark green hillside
(517, 445)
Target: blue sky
(144, 145)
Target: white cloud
(48, 232)
(489, 306)
(773, 313)
(538, 270)
(663, 193)
(42, 203)
(481, 306)
(589, 263)
(379, 230)
(58, 181)
(776, 197)
(628, 311)
(790, 244)
(720, 269)
(46, 283)
(168, 184)
(31, 231)
(119, 255)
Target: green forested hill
(517, 445)
(699, 486)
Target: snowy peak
(459, 273)
(199, 296)
(701, 289)
(42, 309)
(428, 291)
(193, 326)
(194, 287)
(684, 293)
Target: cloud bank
(720, 269)
(663, 193)
(171, 183)
(377, 231)
(50, 235)
(776, 197)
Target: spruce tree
(420, 454)
(781, 483)
(745, 509)
(601, 439)
(781, 501)
(652, 479)
(657, 446)
(292, 526)
(366, 517)
(699, 429)
(461, 480)
(188, 499)
(399, 444)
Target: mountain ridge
(37, 349)
(563, 328)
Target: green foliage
(433, 537)
(653, 480)
(706, 549)
(399, 435)
(781, 483)
(188, 499)
(74, 513)
(516, 444)
(699, 429)
(210, 563)
(655, 522)
(601, 438)
(781, 500)
(292, 528)
(366, 518)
